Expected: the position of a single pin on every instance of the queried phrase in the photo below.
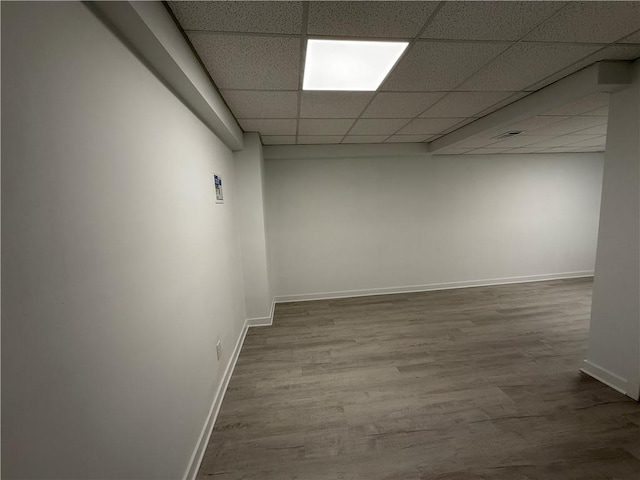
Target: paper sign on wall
(217, 181)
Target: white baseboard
(427, 288)
(605, 376)
(201, 446)
(263, 321)
(203, 441)
(590, 369)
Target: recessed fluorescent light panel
(349, 65)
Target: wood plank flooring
(476, 383)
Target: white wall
(614, 337)
(119, 270)
(364, 224)
(249, 168)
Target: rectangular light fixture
(349, 65)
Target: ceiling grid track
(464, 61)
(455, 89)
(303, 54)
(412, 43)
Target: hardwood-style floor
(476, 383)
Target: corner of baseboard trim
(305, 297)
(605, 376)
(263, 321)
(201, 446)
(259, 322)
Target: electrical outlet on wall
(219, 349)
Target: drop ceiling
(465, 60)
(580, 126)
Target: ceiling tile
(590, 149)
(465, 121)
(269, 127)
(464, 104)
(594, 141)
(406, 139)
(599, 130)
(570, 125)
(524, 64)
(564, 140)
(378, 126)
(318, 139)
(429, 125)
(265, 17)
(262, 104)
(488, 20)
(246, 62)
(600, 112)
(519, 141)
(368, 19)
(324, 127)
(400, 104)
(503, 103)
(582, 105)
(429, 66)
(633, 38)
(538, 121)
(613, 52)
(567, 149)
(333, 104)
(278, 139)
(595, 22)
(364, 138)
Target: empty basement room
(320, 240)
